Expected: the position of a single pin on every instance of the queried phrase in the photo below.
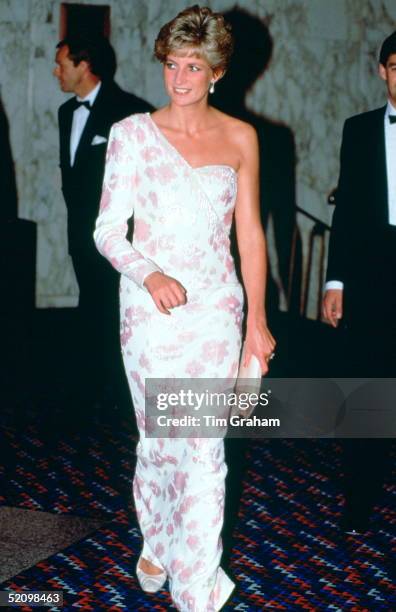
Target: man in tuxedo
(86, 67)
(361, 276)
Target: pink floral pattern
(214, 351)
(182, 220)
(195, 369)
(142, 230)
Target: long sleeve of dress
(117, 206)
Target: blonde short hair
(200, 32)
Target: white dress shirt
(80, 117)
(390, 149)
(390, 155)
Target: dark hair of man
(96, 51)
(388, 48)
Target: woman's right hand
(166, 291)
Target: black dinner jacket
(357, 255)
(82, 182)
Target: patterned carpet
(287, 553)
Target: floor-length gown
(182, 219)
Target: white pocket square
(96, 140)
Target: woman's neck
(188, 119)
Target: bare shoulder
(246, 135)
(237, 131)
(233, 124)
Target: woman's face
(187, 78)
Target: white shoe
(151, 583)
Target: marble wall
(323, 69)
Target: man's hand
(166, 291)
(332, 306)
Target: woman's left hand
(259, 342)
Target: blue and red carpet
(287, 553)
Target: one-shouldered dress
(182, 220)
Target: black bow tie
(392, 118)
(78, 104)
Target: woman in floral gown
(183, 172)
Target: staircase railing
(311, 275)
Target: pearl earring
(211, 88)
